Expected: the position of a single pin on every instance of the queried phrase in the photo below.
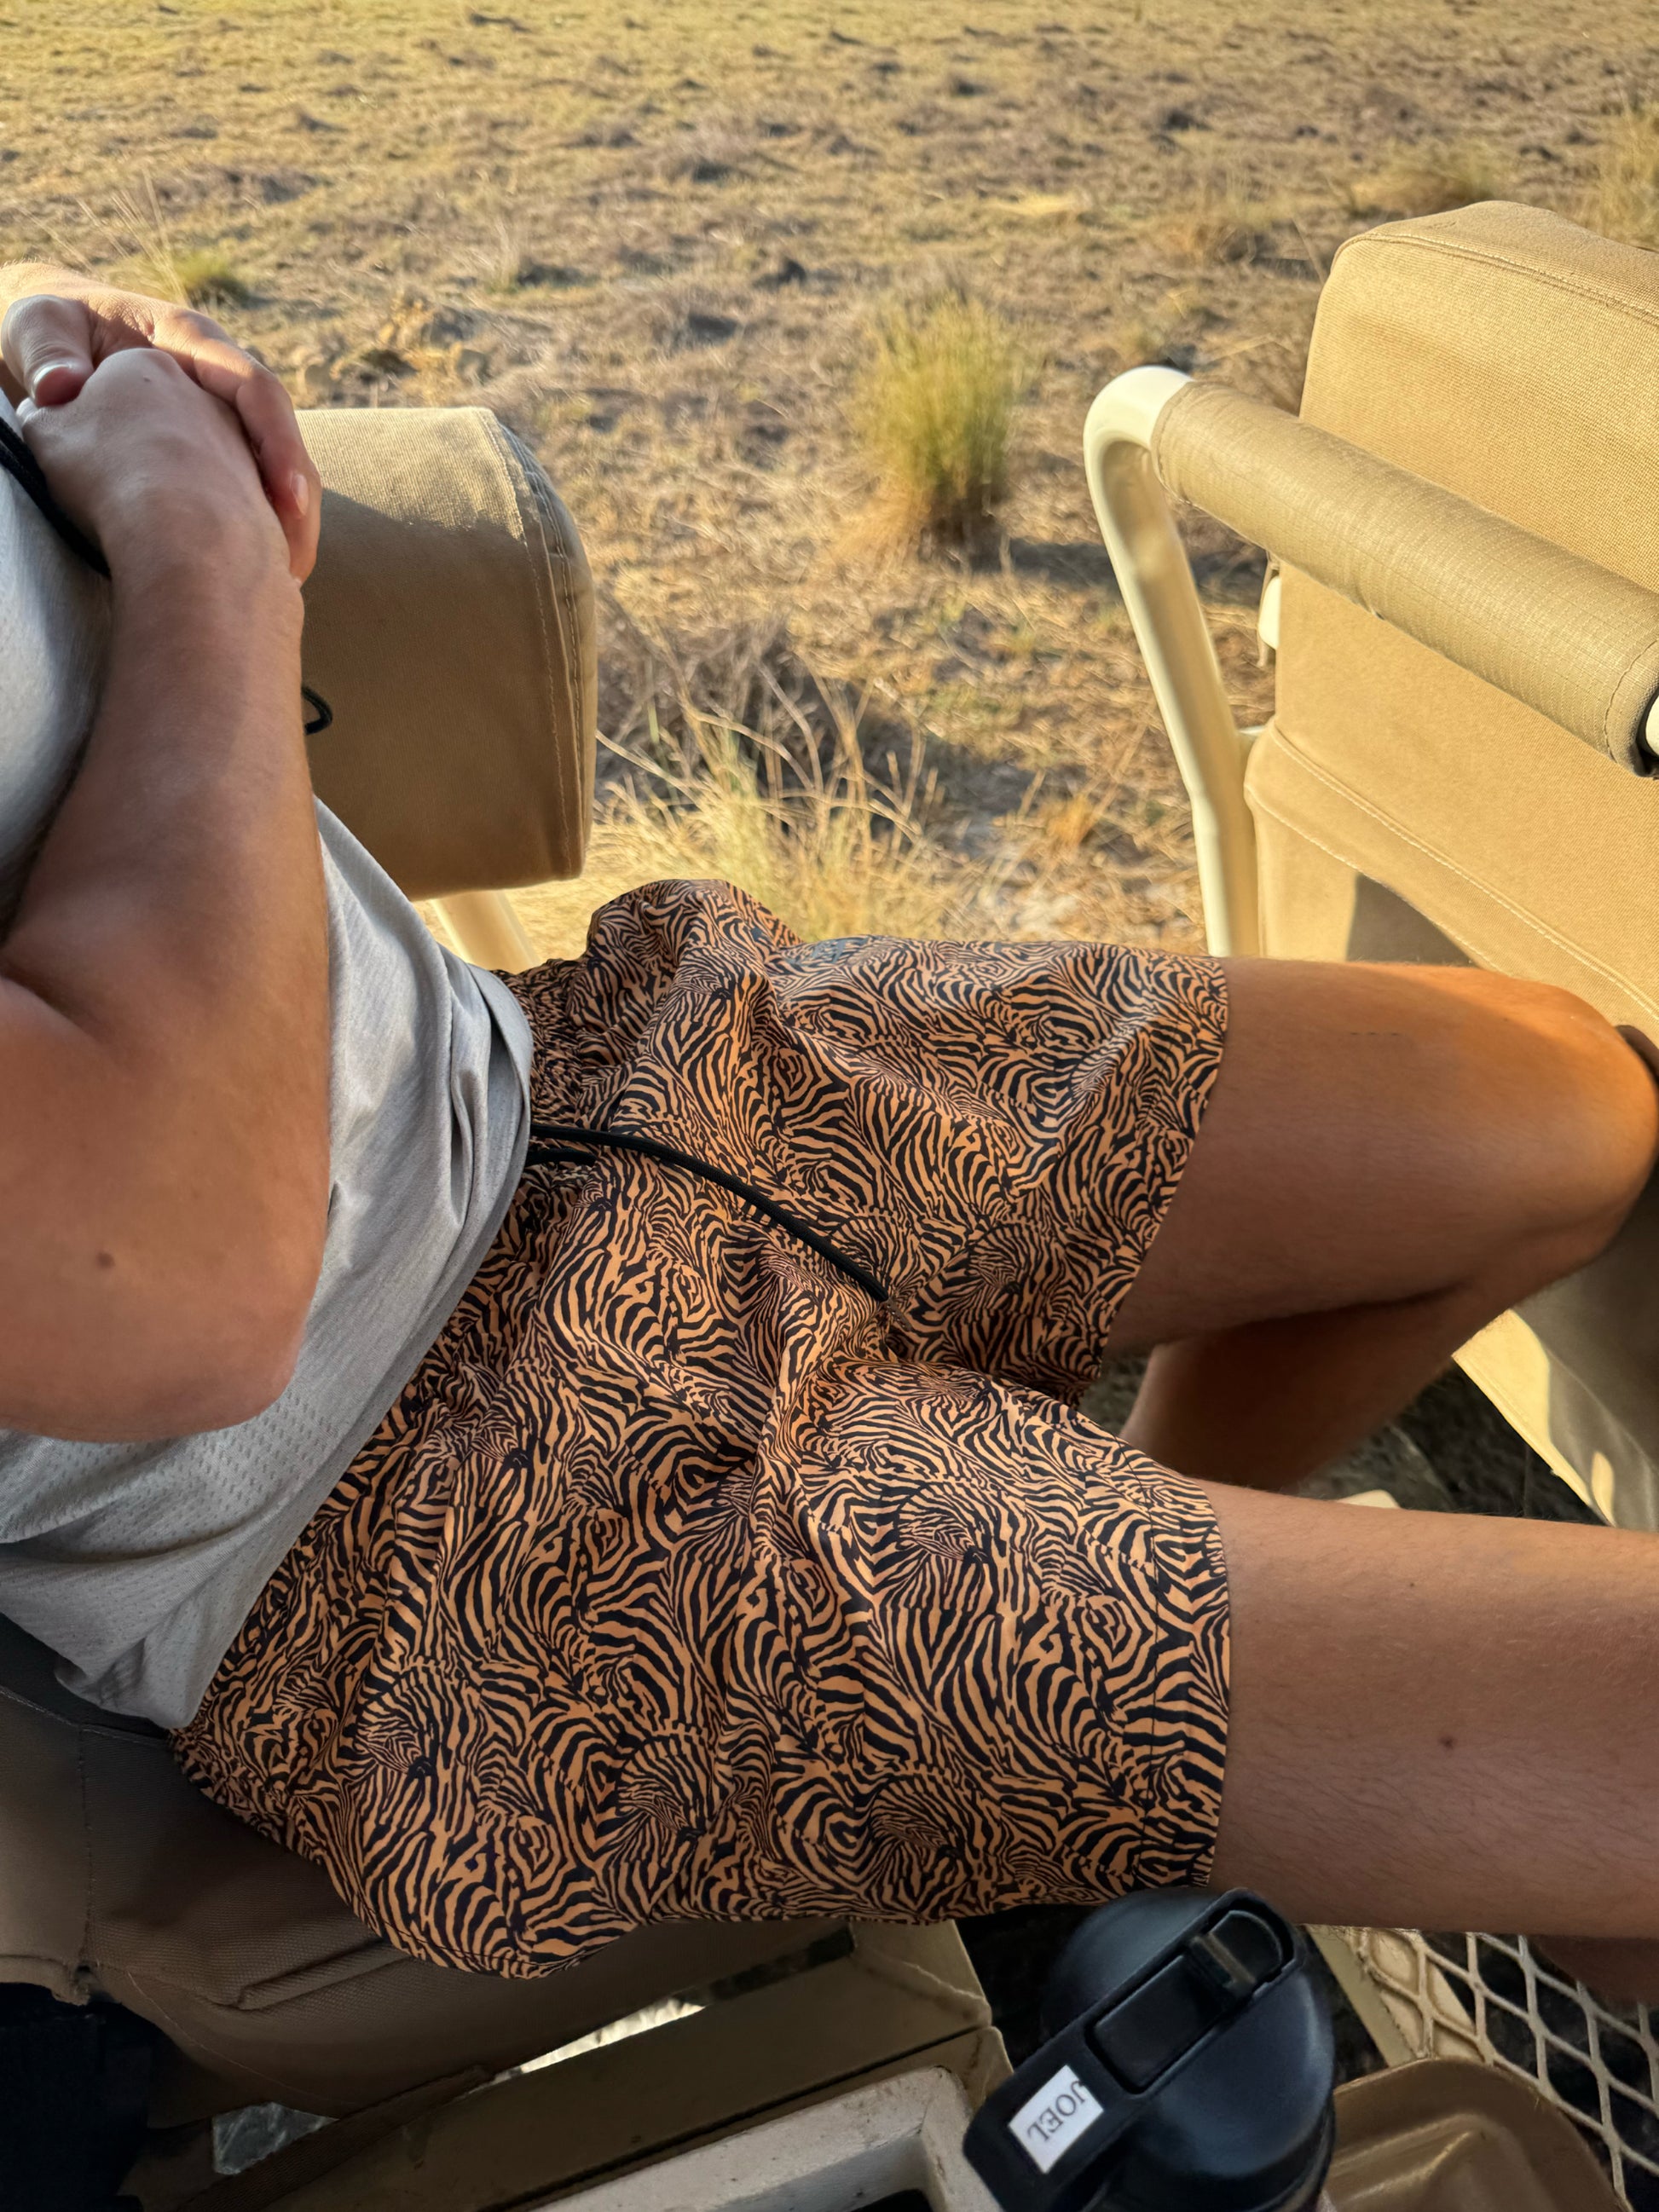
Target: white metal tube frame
(487, 929)
(1158, 591)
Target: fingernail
(300, 487)
(54, 383)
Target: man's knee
(1580, 1117)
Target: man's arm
(164, 988)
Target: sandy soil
(655, 243)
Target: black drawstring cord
(550, 1144)
(17, 459)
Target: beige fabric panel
(1574, 640)
(1610, 1462)
(449, 624)
(1307, 894)
(340, 2043)
(1512, 358)
(1507, 879)
(1515, 360)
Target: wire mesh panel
(1491, 1997)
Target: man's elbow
(208, 1355)
(240, 1375)
(237, 1350)
(247, 1273)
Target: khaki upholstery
(449, 625)
(1512, 359)
(120, 1878)
(1567, 636)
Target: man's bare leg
(1436, 1721)
(1441, 1721)
(1391, 1157)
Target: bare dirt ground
(655, 242)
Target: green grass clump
(1623, 202)
(935, 410)
(206, 278)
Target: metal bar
(487, 929)
(1157, 588)
(1348, 1971)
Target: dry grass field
(664, 245)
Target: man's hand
(157, 470)
(55, 328)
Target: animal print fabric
(684, 1580)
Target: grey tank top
(138, 1563)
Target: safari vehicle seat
(1471, 778)
(450, 627)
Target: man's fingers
(266, 414)
(46, 345)
(50, 344)
(292, 483)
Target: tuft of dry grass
(1220, 223)
(737, 760)
(1166, 333)
(1623, 202)
(935, 409)
(1047, 207)
(805, 827)
(1428, 179)
(137, 230)
(506, 262)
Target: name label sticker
(1047, 2125)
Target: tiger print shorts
(686, 1579)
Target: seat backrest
(449, 626)
(1512, 358)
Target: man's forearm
(173, 935)
(187, 843)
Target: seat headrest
(449, 625)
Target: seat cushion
(121, 1878)
(1515, 359)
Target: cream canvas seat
(1458, 766)
(450, 629)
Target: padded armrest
(449, 625)
(1561, 633)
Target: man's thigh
(1377, 1134)
(1438, 1721)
